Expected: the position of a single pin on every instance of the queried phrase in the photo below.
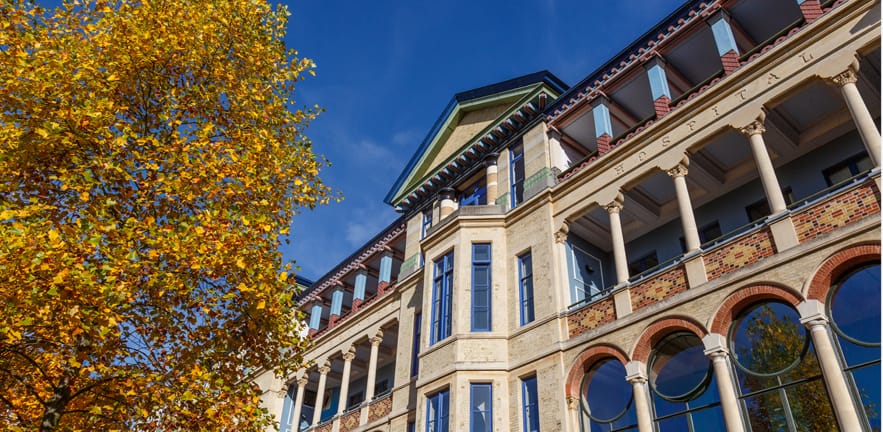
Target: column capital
(812, 313)
(679, 170)
(572, 402)
(349, 354)
(377, 338)
(490, 159)
(634, 372)
(849, 76)
(446, 193)
(302, 381)
(561, 234)
(715, 346)
(753, 128)
(615, 206)
(324, 368)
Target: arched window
(606, 399)
(780, 383)
(683, 387)
(854, 309)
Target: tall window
(481, 408)
(441, 298)
(481, 287)
(684, 390)
(516, 174)
(288, 410)
(530, 411)
(854, 308)
(780, 382)
(437, 408)
(587, 281)
(415, 350)
(427, 222)
(525, 287)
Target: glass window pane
(606, 391)
(674, 424)
(855, 306)
(679, 369)
(811, 407)
(867, 379)
(481, 252)
(768, 338)
(708, 419)
(765, 412)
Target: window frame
(474, 310)
(516, 156)
(443, 401)
(489, 413)
(851, 163)
(441, 307)
(415, 348)
(530, 419)
(525, 301)
(425, 222)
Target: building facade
(686, 240)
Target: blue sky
(386, 69)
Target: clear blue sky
(386, 69)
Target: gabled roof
(509, 92)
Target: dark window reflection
(607, 398)
(779, 377)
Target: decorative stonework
(753, 128)
(679, 171)
(614, 206)
(739, 253)
(843, 78)
(841, 210)
(658, 288)
(591, 316)
(379, 408)
(349, 421)
(324, 427)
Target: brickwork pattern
(843, 209)
(660, 329)
(591, 316)
(349, 421)
(811, 10)
(662, 106)
(658, 288)
(835, 267)
(585, 360)
(325, 427)
(744, 251)
(730, 61)
(379, 408)
(734, 304)
(603, 142)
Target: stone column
(619, 257)
(446, 196)
(688, 221)
(754, 132)
(299, 402)
(348, 357)
(864, 122)
(716, 350)
(812, 315)
(636, 376)
(490, 164)
(372, 375)
(320, 392)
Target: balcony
(846, 203)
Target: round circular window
(606, 395)
(679, 369)
(767, 339)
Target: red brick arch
(585, 360)
(736, 302)
(660, 329)
(838, 265)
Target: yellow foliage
(150, 164)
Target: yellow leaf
(240, 263)
(261, 305)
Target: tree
(150, 164)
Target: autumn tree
(151, 161)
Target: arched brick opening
(585, 360)
(737, 301)
(838, 265)
(660, 329)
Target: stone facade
(585, 264)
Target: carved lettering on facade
(714, 110)
(666, 141)
(806, 57)
(772, 78)
(620, 170)
(691, 124)
(742, 95)
(641, 156)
